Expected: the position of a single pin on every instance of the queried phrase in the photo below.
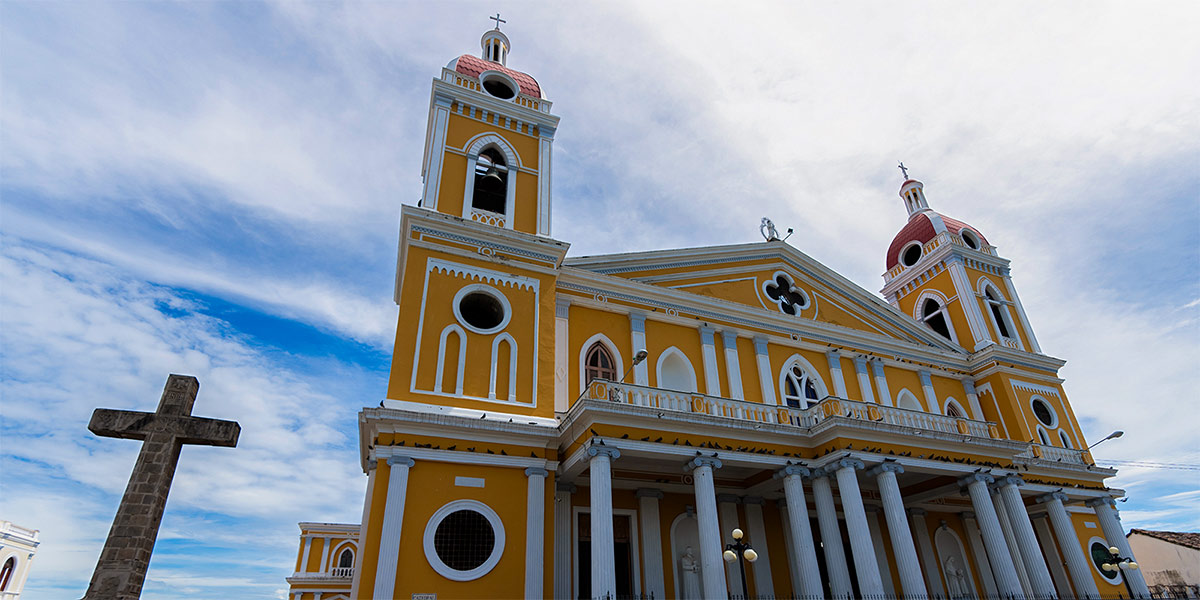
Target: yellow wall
(459, 132)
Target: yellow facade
(516, 409)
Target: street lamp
(1116, 562)
(738, 551)
(1112, 436)
(615, 393)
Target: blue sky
(214, 189)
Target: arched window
(1066, 441)
(675, 371)
(491, 182)
(906, 400)
(6, 572)
(346, 559)
(954, 410)
(934, 316)
(996, 304)
(799, 390)
(599, 364)
(1043, 436)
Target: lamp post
(1112, 436)
(614, 393)
(1116, 562)
(738, 551)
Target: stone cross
(121, 570)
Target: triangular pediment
(767, 276)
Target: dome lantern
(495, 44)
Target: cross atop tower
(903, 169)
(498, 21)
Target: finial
(903, 169)
(498, 21)
(768, 231)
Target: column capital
(400, 460)
(887, 467)
(970, 515)
(793, 470)
(565, 486)
(1010, 480)
(702, 461)
(760, 345)
(729, 338)
(611, 453)
(538, 471)
(730, 498)
(372, 464)
(860, 363)
(918, 512)
(877, 367)
(850, 463)
(973, 477)
(1101, 501)
(969, 386)
(926, 378)
(706, 335)
(637, 322)
(757, 500)
(562, 306)
(1051, 497)
(648, 493)
(833, 356)
(821, 473)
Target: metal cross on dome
(498, 21)
(903, 169)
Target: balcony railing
(1068, 456)
(829, 408)
(342, 572)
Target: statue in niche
(956, 579)
(691, 575)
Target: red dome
(473, 66)
(920, 229)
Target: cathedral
(709, 422)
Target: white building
(17, 547)
(1170, 560)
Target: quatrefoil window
(790, 298)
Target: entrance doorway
(624, 554)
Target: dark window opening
(999, 319)
(346, 560)
(599, 364)
(952, 410)
(464, 540)
(790, 298)
(498, 88)
(1042, 411)
(911, 255)
(481, 311)
(491, 182)
(935, 318)
(970, 240)
(798, 389)
(6, 572)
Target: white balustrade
(1054, 454)
(342, 572)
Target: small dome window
(970, 239)
(911, 254)
(1041, 409)
(499, 86)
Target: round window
(1100, 555)
(464, 540)
(1043, 412)
(911, 254)
(970, 240)
(482, 309)
(498, 86)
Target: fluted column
(993, 539)
(804, 551)
(1031, 553)
(1014, 549)
(793, 558)
(979, 554)
(652, 565)
(535, 530)
(929, 561)
(393, 518)
(764, 584)
(562, 538)
(885, 570)
(865, 566)
(1068, 541)
(727, 517)
(711, 562)
(604, 567)
(1110, 524)
(902, 541)
(1058, 571)
(831, 537)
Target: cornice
(491, 104)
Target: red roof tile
(473, 66)
(919, 228)
(1190, 540)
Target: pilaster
(733, 367)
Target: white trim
(514, 87)
(1087, 555)
(1043, 436)
(490, 291)
(810, 370)
(904, 249)
(603, 339)
(512, 366)
(459, 457)
(962, 552)
(987, 388)
(545, 145)
(337, 553)
(1054, 420)
(473, 147)
(950, 401)
(1012, 292)
(983, 285)
(435, 154)
(943, 307)
(1065, 439)
(431, 528)
(688, 363)
(905, 394)
(791, 288)
(441, 360)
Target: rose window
(791, 299)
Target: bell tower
(488, 142)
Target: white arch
(476, 145)
(337, 552)
(984, 285)
(603, 339)
(807, 367)
(950, 548)
(512, 366)
(950, 401)
(473, 147)
(680, 371)
(943, 302)
(441, 361)
(1065, 439)
(906, 399)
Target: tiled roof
(920, 228)
(1191, 540)
(473, 66)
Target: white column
(972, 399)
(931, 399)
(545, 206)
(1077, 564)
(1011, 539)
(979, 554)
(793, 559)
(864, 379)
(562, 358)
(885, 569)
(834, 358)
(865, 567)
(604, 566)
(1018, 518)
(728, 518)
(885, 396)
(929, 561)
(308, 538)
(362, 528)
(711, 563)
(653, 583)
(393, 518)
(764, 585)
(1110, 524)
(323, 567)
(1041, 525)
(1025, 325)
(733, 368)
(432, 170)
(969, 303)
(535, 525)
(637, 336)
(766, 380)
(708, 350)
(298, 596)
(905, 552)
(993, 539)
(831, 537)
(562, 539)
(804, 554)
